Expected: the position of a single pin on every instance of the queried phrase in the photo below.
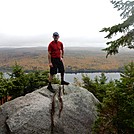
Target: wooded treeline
(76, 59)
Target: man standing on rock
(55, 59)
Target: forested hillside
(76, 59)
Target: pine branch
(121, 28)
(126, 27)
(124, 41)
(127, 7)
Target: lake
(70, 76)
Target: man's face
(55, 38)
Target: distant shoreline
(93, 71)
(70, 71)
(77, 60)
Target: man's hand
(50, 65)
(61, 59)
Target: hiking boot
(64, 83)
(50, 88)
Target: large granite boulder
(42, 112)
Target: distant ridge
(76, 58)
(90, 48)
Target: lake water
(70, 77)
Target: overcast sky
(32, 22)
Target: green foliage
(126, 100)
(2, 87)
(20, 83)
(115, 112)
(116, 108)
(5, 86)
(97, 86)
(126, 28)
(88, 83)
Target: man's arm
(62, 51)
(49, 59)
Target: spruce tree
(116, 111)
(126, 28)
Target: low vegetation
(116, 108)
(20, 83)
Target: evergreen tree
(116, 112)
(88, 84)
(98, 86)
(126, 28)
(125, 117)
(5, 87)
(2, 89)
(21, 83)
(102, 78)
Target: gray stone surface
(31, 114)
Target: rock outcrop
(42, 112)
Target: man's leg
(50, 88)
(53, 71)
(62, 79)
(50, 78)
(61, 69)
(62, 76)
